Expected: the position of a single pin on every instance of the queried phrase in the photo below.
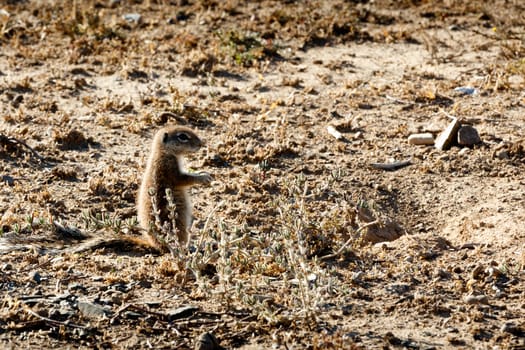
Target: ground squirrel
(164, 170)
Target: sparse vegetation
(246, 49)
(299, 244)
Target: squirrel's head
(177, 139)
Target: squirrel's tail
(62, 239)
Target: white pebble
(476, 299)
(464, 151)
(421, 139)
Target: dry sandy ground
(281, 254)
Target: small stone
(207, 341)
(131, 315)
(132, 17)
(181, 16)
(476, 299)
(4, 16)
(503, 155)
(7, 267)
(421, 139)
(443, 274)
(121, 287)
(447, 137)
(9, 180)
(399, 288)
(478, 273)
(334, 132)
(91, 310)
(468, 136)
(347, 309)
(145, 284)
(35, 276)
(312, 278)
(466, 90)
(153, 303)
(463, 151)
(356, 276)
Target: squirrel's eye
(165, 138)
(183, 137)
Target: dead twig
(12, 140)
(196, 323)
(54, 322)
(392, 166)
(128, 306)
(140, 309)
(397, 100)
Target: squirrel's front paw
(205, 178)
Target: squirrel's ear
(165, 138)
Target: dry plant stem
(447, 114)
(206, 223)
(6, 139)
(347, 243)
(173, 116)
(228, 245)
(53, 322)
(173, 217)
(138, 308)
(397, 100)
(156, 214)
(223, 271)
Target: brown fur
(165, 170)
